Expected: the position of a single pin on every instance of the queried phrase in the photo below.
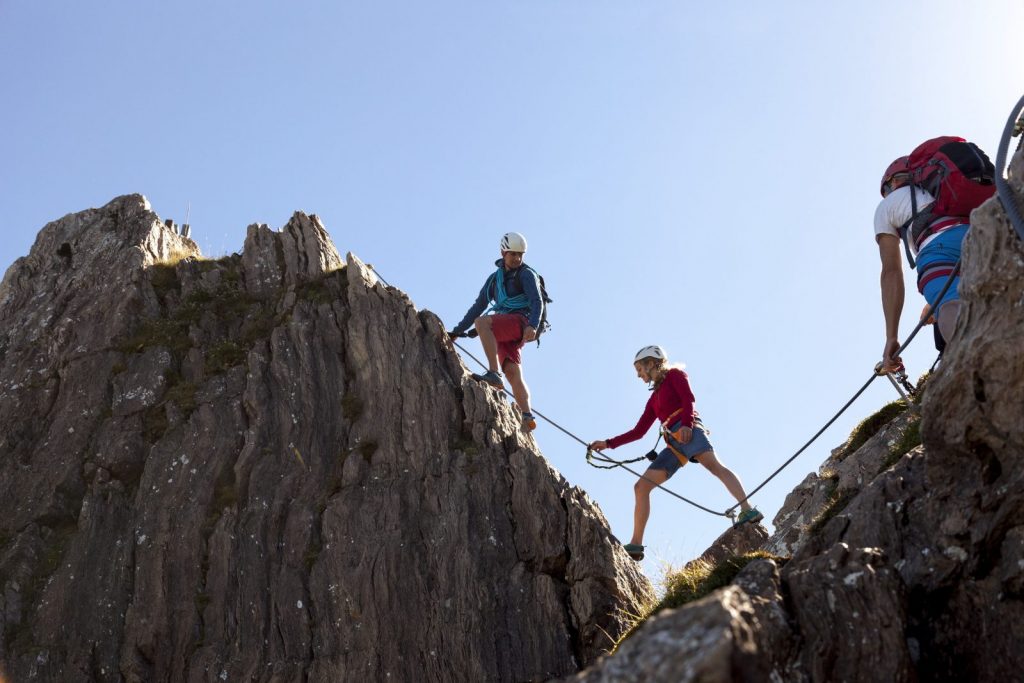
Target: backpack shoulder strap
(906, 229)
(543, 288)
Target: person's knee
(642, 488)
(710, 462)
(512, 370)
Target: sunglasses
(896, 181)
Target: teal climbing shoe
(635, 551)
(491, 377)
(751, 515)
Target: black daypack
(544, 325)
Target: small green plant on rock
(922, 384)
(466, 445)
(871, 426)
(696, 580)
(154, 423)
(223, 356)
(909, 439)
(315, 291)
(351, 407)
(838, 500)
(164, 278)
(184, 396)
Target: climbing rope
(1014, 127)
(615, 463)
(874, 375)
(590, 454)
(730, 512)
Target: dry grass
(691, 583)
(871, 426)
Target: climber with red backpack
(927, 199)
(686, 440)
(517, 314)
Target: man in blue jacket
(516, 305)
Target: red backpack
(957, 173)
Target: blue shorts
(939, 255)
(697, 444)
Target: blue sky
(701, 177)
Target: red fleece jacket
(671, 395)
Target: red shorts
(508, 332)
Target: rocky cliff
(267, 467)
(901, 566)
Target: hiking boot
(634, 550)
(752, 515)
(491, 377)
(529, 422)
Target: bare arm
(891, 282)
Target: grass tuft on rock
(694, 581)
(184, 396)
(351, 407)
(316, 291)
(922, 384)
(909, 439)
(838, 500)
(154, 423)
(227, 354)
(871, 426)
(163, 277)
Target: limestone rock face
(902, 567)
(268, 467)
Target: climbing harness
(592, 455)
(672, 438)
(1014, 127)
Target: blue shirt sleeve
(531, 288)
(478, 307)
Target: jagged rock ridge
(899, 571)
(268, 467)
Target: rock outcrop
(268, 467)
(901, 566)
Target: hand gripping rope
(900, 382)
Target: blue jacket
(522, 280)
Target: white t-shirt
(896, 209)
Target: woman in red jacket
(685, 439)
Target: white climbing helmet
(513, 241)
(655, 352)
